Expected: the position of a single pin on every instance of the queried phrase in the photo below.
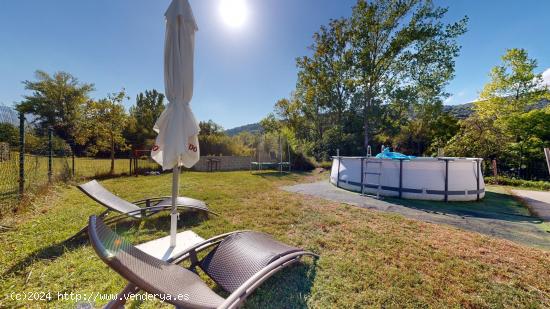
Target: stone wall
(226, 163)
(4, 152)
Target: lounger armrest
(201, 246)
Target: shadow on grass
(289, 288)
(495, 205)
(130, 229)
(271, 174)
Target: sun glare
(234, 12)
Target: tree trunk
(366, 124)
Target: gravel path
(522, 231)
(538, 202)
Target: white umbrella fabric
(177, 142)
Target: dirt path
(523, 230)
(538, 202)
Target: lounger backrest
(242, 255)
(176, 284)
(101, 195)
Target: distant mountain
(462, 111)
(252, 128)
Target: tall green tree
(325, 81)
(504, 125)
(371, 74)
(400, 47)
(56, 101)
(144, 114)
(105, 123)
(513, 88)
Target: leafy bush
(541, 185)
(327, 165)
(302, 163)
(222, 145)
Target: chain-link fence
(32, 157)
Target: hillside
(462, 111)
(252, 128)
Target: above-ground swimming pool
(442, 179)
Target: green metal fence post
(50, 154)
(21, 155)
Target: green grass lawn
(368, 258)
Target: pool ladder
(377, 173)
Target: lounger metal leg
(120, 300)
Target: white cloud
(546, 78)
(455, 99)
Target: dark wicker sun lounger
(238, 262)
(136, 210)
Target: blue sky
(240, 73)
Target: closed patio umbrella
(177, 141)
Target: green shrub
(302, 163)
(327, 165)
(541, 185)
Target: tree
(504, 125)
(105, 123)
(513, 88)
(56, 101)
(9, 134)
(400, 47)
(214, 141)
(325, 81)
(144, 114)
(371, 75)
(210, 128)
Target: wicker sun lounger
(238, 262)
(136, 210)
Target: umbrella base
(160, 248)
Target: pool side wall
(422, 178)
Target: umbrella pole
(174, 213)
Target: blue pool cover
(387, 154)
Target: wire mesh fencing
(32, 157)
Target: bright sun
(234, 12)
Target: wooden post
(50, 154)
(21, 155)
